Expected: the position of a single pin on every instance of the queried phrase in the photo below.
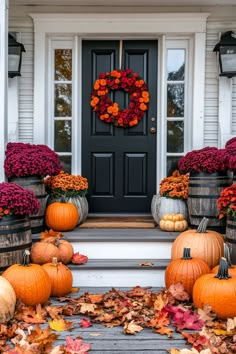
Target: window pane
(172, 164)
(63, 95)
(175, 64)
(175, 136)
(62, 139)
(175, 100)
(66, 163)
(63, 64)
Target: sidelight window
(177, 120)
(62, 108)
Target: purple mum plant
(207, 160)
(28, 160)
(15, 200)
(230, 148)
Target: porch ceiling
(123, 2)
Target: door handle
(153, 130)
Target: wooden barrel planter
(162, 205)
(36, 185)
(230, 237)
(204, 190)
(81, 204)
(15, 238)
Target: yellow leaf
(60, 325)
(221, 332)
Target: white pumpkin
(162, 205)
(7, 300)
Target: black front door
(120, 164)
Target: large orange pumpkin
(185, 270)
(61, 216)
(60, 276)
(218, 291)
(205, 244)
(30, 281)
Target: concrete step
(115, 255)
(121, 243)
(120, 273)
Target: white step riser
(124, 250)
(118, 278)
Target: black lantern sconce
(15, 50)
(227, 54)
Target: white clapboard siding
(24, 27)
(216, 26)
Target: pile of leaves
(33, 330)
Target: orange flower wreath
(109, 111)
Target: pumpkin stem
(186, 253)
(26, 258)
(223, 270)
(57, 242)
(54, 261)
(227, 255)
(203, 225)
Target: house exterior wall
(220, 20)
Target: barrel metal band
(203, 196)
(15, 231)
(16, 248)
(215, 185)
(230, 240)
(230, 226)
(202, 216)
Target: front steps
(117, 257)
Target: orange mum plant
(175, 186)
(66, 185)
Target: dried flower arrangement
(29, 159)
(175, 186)
(15, 200)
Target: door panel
(120, 164)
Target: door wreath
(109, 111)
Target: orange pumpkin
(185, 270)
(61, 216)
(60, 276)
(43, 252)
(65, 248)
(218, 291)
(30, 281)
(205, 244)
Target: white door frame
(121, 26)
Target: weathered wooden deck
(113, 340)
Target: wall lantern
(227, 54)
(15, 50)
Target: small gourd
(64, 247)
(43, 252)
(7, 300)
(218, 291)
(185, 270)
(30, 281)
(60, 276)
(173, 222)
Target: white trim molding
(159, 26)
(3, 86)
